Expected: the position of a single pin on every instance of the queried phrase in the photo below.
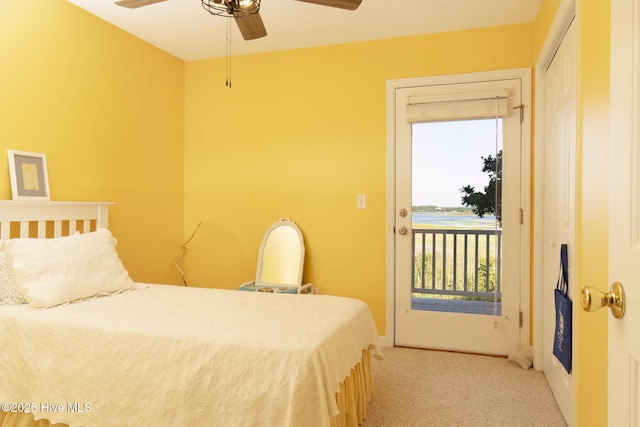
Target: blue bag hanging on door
(563, 333)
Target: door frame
(564, 16)
(525, 190)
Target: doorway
(459, 266)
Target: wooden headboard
(51, 219)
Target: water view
(453, 220)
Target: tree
(489, 201)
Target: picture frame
(28, 174)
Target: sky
(447, 156)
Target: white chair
(280, 261)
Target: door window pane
(456, 211)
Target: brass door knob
(402, 231)
(403, 212)
(593, 299)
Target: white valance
(458, 106)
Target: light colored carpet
(416, 387)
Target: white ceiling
(184, 29)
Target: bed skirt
(353, 400)
(355, 394)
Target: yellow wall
(300, 133)
(107, 110)
(544, 20)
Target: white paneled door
(558, 205)
(624, 212)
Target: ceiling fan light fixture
(231, 8)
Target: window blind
(478, 105)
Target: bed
(127, 353)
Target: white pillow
(9, 294)
(54, 271)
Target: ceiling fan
(245, 12)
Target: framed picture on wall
(28, 173)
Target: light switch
(361, 201)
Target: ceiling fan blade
(250, 25)
(342, 4)
(132, 4)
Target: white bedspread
(174, 356)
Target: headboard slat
(57, 228)
(24, 213)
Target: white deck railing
(463, 264)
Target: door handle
(402, 231)
(593, 299)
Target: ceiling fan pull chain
(228, 65)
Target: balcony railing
(457, 264)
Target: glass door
(457, 268)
